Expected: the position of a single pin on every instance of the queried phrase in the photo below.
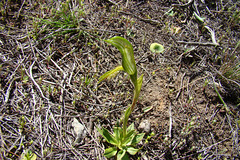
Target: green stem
(129, 111)
(220, 97)
(137, 87)
(125, 121)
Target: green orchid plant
(124, 139)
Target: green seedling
(25, 79)
(22, 122)
(156, 48)
(190, 99)
(190, 126)
(124, 139)
(149, 137)
(170, 12)
(28, 155)
(206, 82)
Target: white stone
(79, 130)
(145, 126)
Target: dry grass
(52, 54)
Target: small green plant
(231, 70)
(156, 48)
(28, 155)
(190, 126)
(63, 20)
(22, 123)
(124, 139)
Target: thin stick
(183, 5)
(170, 121)
(34, 82)
(180, 86)
(8, 92)
(199, 43)
(20, 9)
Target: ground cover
(52, 54)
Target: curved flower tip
(156, 48)
(126, 49)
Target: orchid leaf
(125, 120)
(139, 81)
(127, 112)
(132, 150)
(122, 155)
(129, 137)
(137, 138)
(118, 135)
(110, 152)
(131, 127)
(110, 74)
(108, 136)
(126, 49)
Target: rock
(79, 130)
(145, 126)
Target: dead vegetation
(53, 52)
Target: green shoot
(201, 19)
(28, 155)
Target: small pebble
(79, 130)
(145, 126)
